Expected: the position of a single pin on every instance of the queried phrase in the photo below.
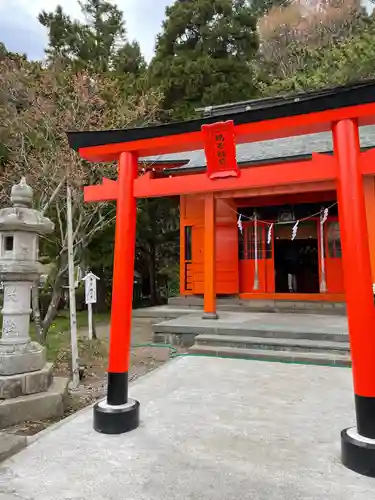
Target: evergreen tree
(204, 54)
(98, 45)
(129, 59)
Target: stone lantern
(23, 368)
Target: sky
(21, 32)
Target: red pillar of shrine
(357, 444)
(209, 305)
(118, 413)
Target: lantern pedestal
(111, 419)
(358, 452)
(23, 358)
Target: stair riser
(271, 356)
(275, 348)
(182, 340)
(264, 306)
(176, 330)
(260, 309)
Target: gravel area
(94, 358)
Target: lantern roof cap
(21, 216)
(22, 194)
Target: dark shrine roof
(274, 151)
(240, 113)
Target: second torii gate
(340, 110)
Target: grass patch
(58, 337)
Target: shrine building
(256, 255)
(273, 208)
(273, 226)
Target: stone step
(40, 406)
(314, 358)
(165, 329)
(265, 305)
(10, 444)
(296, 308)
(300, 345)
(12, 386)
(164, 312)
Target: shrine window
(250, 243)
(188, 243)
(246, 243)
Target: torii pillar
(209, 304)
(220, 151)
(118, 414)
(357, 443)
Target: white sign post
(90, 294)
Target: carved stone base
(33, 407)
(13, 386)
(21, 358)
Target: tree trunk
(152, 273)
(36, 310)
(52, 308)
(101, 305)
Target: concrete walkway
(247, 321)
(217, 429)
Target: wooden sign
(90, 294)
(90, 288)
(220, 149)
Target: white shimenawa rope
(239, 223)
(294, 230)
(269, 235)
(281, 223)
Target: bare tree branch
(38, 105)
(53, 195)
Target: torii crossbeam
(339, 110)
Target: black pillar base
(109, 419)
(210, 316)
(358, 452)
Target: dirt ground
(93, 359)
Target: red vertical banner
(220, 150)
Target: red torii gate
(339, 110)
